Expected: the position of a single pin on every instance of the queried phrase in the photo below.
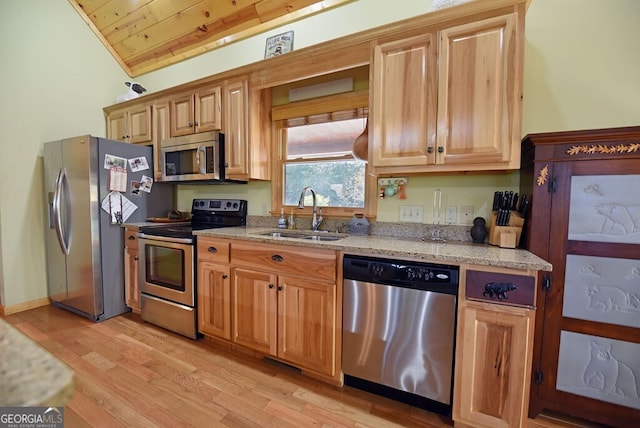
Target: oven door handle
(165, 239)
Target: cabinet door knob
(131, 238)
(280, 287)
(270, 285)
(277, 258)
(135, 258)
(190, 124)
(196, 123)
(429, 149)
(440, 149)
(225, 276)
(212, 249)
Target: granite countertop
(30, 375)
(454, 252)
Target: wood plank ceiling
(145, 35)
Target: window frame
(320, 105)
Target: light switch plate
(411, 213)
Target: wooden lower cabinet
(214, 300)
(214, 288)
(263, 299)
(306, 323)
(288, 317)
(493, 371)
(131, 284)
(254, 310)
(493, 358)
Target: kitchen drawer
(290, 260)
(213, 250)
(502, 288)
(131, 237)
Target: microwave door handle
(202, 167)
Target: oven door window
(165, 266)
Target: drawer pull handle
(277, 258)
(212, 249)
(131, 238)
(498, 289)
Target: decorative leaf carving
(542, 175)
(603, 149)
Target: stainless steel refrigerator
(84, 241)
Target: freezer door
(56, 263)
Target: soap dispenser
(282, 221)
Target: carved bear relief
(605, 208)
(599, 368)
(602, 289)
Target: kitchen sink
(308, 235)
(321, 238)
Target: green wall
(581, 65)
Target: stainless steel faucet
(316, 220)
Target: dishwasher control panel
(401, 273)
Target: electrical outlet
(466, 214)
(411, 213)
(451, 215)
(265, 211)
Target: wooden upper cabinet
(236, 128)
(479, 89)
(194, 112)
(404, 102)
(450, 100)
(131, 124)
(161, 125)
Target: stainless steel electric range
(167, 263)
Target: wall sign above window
(278, 45)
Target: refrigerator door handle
(61, 180)
(202, 166)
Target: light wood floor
(132, 374)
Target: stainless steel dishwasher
(399, 322)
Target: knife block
(506, 236)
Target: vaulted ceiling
(145, 35)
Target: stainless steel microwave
(195, 157)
